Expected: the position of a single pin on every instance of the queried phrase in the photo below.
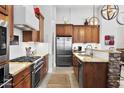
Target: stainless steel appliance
(5, 78)
(63, 51)
(36, 67)
(4, 52)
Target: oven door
(36, 74)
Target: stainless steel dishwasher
(80, 73)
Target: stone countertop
(107, 51)
(41, 54)
(90, 59)
(16, 67)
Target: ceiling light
(109, 12)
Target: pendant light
(109, 12)
(94, 20)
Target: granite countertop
(16, 67)
(41, 54)
(108, 51)
(90, 59)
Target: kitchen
(46, 45)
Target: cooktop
(26, 59)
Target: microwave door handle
(5, 83)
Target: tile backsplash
(83, 45)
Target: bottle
(86, 22)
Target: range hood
(25, 19)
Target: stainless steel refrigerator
(63, 51)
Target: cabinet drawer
(17, 78)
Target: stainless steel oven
(5, 78)
(36, 73)
(4, 38)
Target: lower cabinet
(22, 79)
(90, 74)
(44, 68)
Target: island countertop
(89, 59)
(16, 67)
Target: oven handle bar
(5, 83)
(39, 68)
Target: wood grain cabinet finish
(4, 10)
(22, 79)
(85, 34)
(94, 74)
(41, 29)
(44, 68)
(64, 29)
(29, 36)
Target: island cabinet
(90, 74)
(64, 29)
(22, 79)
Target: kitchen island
(91, 72)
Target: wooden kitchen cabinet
(90, 74)
(4, 10)
(64, 29)
(29, 36)
(95, 34)
(85, 34)
(44, 68)
(79, 34)
(22, 79)
(88, 34)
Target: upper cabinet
(4, 10)
(85, 34)
(25, 19)
(31, 36)
(64, 29)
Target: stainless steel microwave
(4, 38)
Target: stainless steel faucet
(89, 47)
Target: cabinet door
(27, 82)
(34, 36)
(60, 30)
(88, 34)
(4, 9)
(82, 34)
(95, 34)
(76, 35)
(68, 30)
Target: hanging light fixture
(94, 20)
(109, 12)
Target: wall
(74, 14)
(111, 28)
(77, 14)
(16, 50)
(19, 50)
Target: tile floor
(61, 70)
(73, 81)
